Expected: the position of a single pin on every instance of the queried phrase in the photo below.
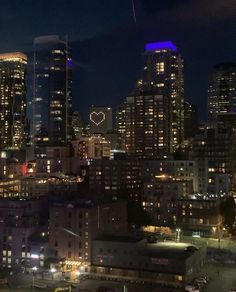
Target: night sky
(107, 44)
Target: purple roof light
(161, 46)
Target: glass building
(12, 100)
(163, 72)
(222, 89)
(52, 91)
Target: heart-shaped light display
(97, 117)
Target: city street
(222, 279)
(92, 285)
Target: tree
(228, 212)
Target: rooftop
(168, 45)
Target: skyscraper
(12, 100)
(222, 89)
(120, 125)
(77, 125)
(190, 120)
(146, 132)
(163, 72)
(52, 97)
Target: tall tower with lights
(13, 100)
(163, 72)
(52, 91)
(222, 89)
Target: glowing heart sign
(97, 118)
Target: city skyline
(118, 145)
(100, 50)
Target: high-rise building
(120, 125)
(163, 71)
(12, 100)
(146, 125)
(215, 152)
(52, 95)
(190, 120)
(100, 120)
(222, 89)
(77, 125)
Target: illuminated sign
(97, 117)
(158, 261)
(161, 46)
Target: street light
(178, 230)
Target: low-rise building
(19, 219)
(91, 147)
(73, 226)
(186, 170)
(38, 185)
(199, 215)
(159, 197)
(118, 176)
(132, 258)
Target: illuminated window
(160, 67)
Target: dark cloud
(155, 6)
(197, 12)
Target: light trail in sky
(134, 13)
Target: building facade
(214, 153)
(116, 177)
(13, 100)
(199, 215)
(74, 225)
(146, 125)
(52, 91)
(100, 120)
(159, 198)
(222, 89)
(19, 220)
(190, 120)
(158, 262)
(163, 71)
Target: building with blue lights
(52, 95)
(163, 72)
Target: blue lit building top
(161, 46)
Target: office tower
(190, 120)
(222, 89)
(163, 71)
(120, 125)
(52, 98)
(12, 100)
(100, 120)
(77, 125)
(214, 151)
(146, 121)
